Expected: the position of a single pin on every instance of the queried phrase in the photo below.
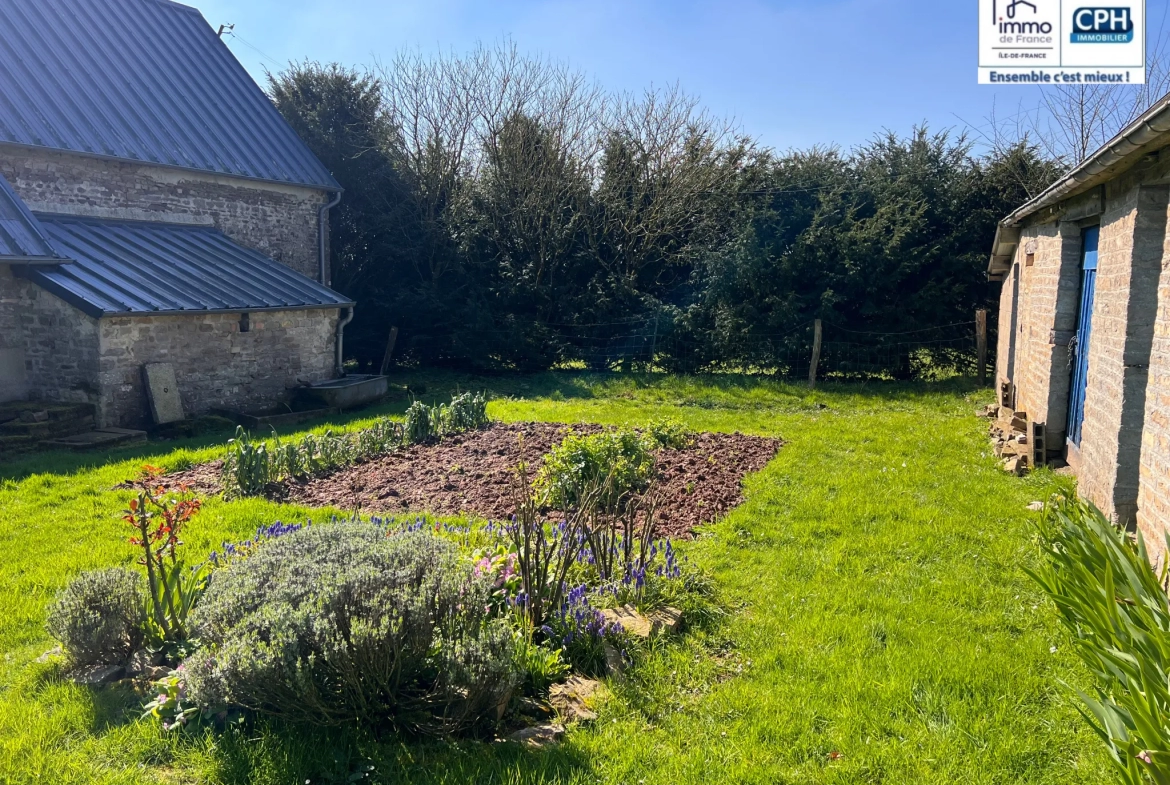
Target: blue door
(1079, 349)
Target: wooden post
(389, 349)
(816, 355)
(981, 343)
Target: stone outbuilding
(1083, 362)
(154, 207)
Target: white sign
(1062, 42)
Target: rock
(571, 699)
(539, 736)
(633, 622)
(155, 672)
(615, 664)
(139, 661)
(502, 706)
(535, 707)
(98, 675)
(1065, 471)
(1016, 465)
(1036, 507)
(668, 620)
(50, 654)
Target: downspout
(341, 322)
(321, 237)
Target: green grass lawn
(882, 628)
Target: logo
(1007, 23)
(1102, 26)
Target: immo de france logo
(1061, 42)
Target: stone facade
(50, 350)
(216, 364)
(1123, 463)
(56, 344)
(1153, 511)
(278, 220)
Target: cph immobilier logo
(1061, 42)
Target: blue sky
(793, 73)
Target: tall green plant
(158, 514)
(1116, 610)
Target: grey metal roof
(21, 237)
(141, 268)
(141, 80)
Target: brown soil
(470, 473)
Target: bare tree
(1068, 122)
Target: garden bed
(470, 473)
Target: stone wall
(13, 374)
(277, 220)
(1123, 465)
(1038, 311)
(1133, 237)
(1153, 514)
(215, 363)
(56, 343)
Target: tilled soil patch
(470, 473)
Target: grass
(883, 631)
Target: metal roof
(21, 237)
(124, 268)
(141, 80)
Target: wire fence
(646, 344)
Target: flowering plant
(171, 706)
(581, 631)
(158, 514)
(501, 567)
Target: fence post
(816, 355)
(393, 339)
(981, 343)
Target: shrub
(100, 617)
(251, 465)
(618, 463)
(467, 412)
(1116, 610)
(247, 468)
(421, 423)
(342, 623)
(669, 433)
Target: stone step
(102, 437)
(48, 428)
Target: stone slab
(573, 699)
(162, 390)
(101, 438)
(539, 736)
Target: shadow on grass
(270, 751)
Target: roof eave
(208, 311)
(1135, 140)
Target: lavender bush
(343, 623)
(100, 617)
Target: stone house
(1083, 363)
(154, 207)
